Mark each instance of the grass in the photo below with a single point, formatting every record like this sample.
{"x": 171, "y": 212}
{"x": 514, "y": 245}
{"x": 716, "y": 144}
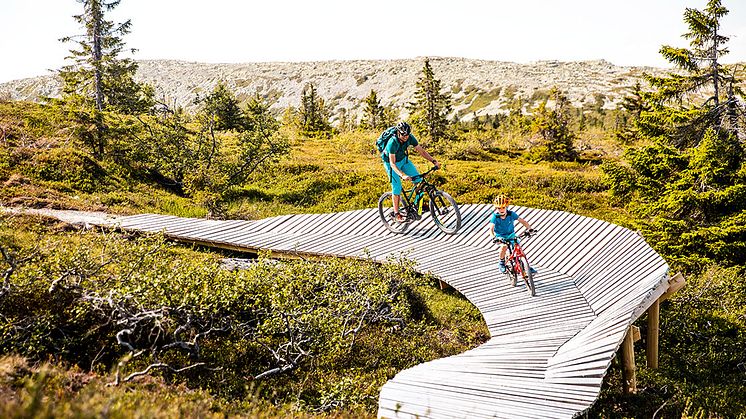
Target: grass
{"x": 482, "y": 100}
{"x": 320, "y": 175}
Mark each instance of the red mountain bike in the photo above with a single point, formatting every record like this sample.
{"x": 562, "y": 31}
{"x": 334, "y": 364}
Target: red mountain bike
{"x": 516, "y": 261}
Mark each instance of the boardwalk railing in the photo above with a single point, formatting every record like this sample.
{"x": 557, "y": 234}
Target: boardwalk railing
{"x": 547, "y": 354}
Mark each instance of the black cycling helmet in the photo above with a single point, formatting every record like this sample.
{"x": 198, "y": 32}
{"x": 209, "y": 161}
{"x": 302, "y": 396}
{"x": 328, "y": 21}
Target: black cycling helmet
{"x": 403, "y": 128}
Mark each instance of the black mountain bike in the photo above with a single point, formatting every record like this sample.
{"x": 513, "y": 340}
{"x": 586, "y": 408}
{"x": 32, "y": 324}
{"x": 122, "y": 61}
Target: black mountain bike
{"x": 442, "y": 207}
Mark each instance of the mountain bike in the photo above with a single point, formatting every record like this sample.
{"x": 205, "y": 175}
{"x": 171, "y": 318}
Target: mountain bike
{"x": 516, "y": 261}
{"x": 443, "y": 208}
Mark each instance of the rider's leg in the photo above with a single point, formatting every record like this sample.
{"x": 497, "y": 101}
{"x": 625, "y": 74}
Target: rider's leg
{"x": 501, "y": 265}
{"x": 396, "y": 186}
{"x": 409, "y": 168}
{"x": 503, "y": 250}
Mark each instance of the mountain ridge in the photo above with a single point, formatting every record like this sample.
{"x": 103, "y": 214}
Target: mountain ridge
{"x": 478, "y": 87}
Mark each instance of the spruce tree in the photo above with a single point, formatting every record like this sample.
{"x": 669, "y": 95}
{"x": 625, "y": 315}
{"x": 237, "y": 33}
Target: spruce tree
{"x": 553, "y": 129}
{"x": 633, "y": 104}
{"x": 374, "y": 115}
{"x": 313, "y": 113}
{"x": 687, "y": 181}
{"x": 97, "y": 72}
{"x": 707, "y": 89}
{"x": 220, "y": 110}
{"x": 431, "y": 107}
{"x": 98, "y": 78}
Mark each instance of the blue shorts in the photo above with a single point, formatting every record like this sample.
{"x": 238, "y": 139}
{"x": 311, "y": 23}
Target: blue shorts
{"x": 405, "y": 166}
{"x": 508, "y": 237}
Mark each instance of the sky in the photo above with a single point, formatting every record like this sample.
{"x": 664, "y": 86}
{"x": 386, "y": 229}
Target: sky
{"x": 627, "y": 33}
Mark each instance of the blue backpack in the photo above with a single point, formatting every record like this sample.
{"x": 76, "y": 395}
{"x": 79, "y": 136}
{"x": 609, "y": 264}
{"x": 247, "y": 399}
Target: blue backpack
{"x": 383, "y": 140}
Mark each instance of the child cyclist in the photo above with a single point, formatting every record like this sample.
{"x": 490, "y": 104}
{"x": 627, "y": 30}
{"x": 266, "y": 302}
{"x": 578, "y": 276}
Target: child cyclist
{"x": 501, "y": 226}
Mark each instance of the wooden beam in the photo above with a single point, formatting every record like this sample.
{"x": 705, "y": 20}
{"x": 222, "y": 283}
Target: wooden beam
{"x": 443, "y": 285}
{"x": 628, "y": 362}
{"x": 651, "y": 351}
{"x": 675, "y": 283}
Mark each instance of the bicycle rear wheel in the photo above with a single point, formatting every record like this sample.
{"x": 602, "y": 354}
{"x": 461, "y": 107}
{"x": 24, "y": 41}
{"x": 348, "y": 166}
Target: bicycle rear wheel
{"x": 445, "y": 212}
{"x": 528, "y": 277}
{"x": 386, "y": 213}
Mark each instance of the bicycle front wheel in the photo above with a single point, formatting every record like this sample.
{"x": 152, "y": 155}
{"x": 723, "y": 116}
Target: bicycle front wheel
{"x": 386, "y": 213}
{"x": 512, "y": 275}
{"x": 445, "y": 212}
{"x": 528, "y": 277}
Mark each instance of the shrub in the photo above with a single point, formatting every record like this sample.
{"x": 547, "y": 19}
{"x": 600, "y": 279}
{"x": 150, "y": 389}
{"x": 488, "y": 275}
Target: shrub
{"x": 71, "y": 168}
{"x": 109, "y": 302}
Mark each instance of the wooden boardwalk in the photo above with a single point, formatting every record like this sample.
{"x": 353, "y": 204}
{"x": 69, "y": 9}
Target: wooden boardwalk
{"x": 547, "y": 354}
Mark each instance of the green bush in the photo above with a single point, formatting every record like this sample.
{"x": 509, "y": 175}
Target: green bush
{"x": 6, "y": 164}
{"x": 71, "y": 168}
{"x": 320, "y": 335}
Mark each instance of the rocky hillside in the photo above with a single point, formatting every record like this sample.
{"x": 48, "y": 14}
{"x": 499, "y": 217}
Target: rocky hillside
{"x": 477, "y": 86}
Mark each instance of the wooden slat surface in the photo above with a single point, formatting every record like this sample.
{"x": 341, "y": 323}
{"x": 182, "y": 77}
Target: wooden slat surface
{"x": 547, "y": 354}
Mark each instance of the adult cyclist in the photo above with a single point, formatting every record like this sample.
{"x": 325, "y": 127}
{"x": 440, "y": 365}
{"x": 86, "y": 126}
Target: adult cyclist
{"x": 397, "y": 164}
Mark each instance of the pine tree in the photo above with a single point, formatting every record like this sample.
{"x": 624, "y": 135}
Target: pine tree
{"x": 313, "y": 113}
{"x": 431, "y": 107}
{"x": 553, "y": 128}
{"x": 701, "y": 63}
{"x": 374, "y": 115}
{"x": 97, "y": 78}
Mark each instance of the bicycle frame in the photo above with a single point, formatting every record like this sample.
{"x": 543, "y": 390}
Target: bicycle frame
{"x": 515, "y": 251}
{"x": 409, "y": 196}
{"x": 514, "y": 255}
{"x": 441, "y": 206}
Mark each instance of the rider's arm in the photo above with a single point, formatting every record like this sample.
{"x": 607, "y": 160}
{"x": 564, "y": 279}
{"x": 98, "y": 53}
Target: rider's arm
{"x": 392, "y": 161}
{"x": 422, "y": 152}
{"x": 491, "y": 227}
{"x": 525, "y": 224}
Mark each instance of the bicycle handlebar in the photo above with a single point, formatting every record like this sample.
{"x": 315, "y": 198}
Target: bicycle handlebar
{"x": 524, "y": 235}
{"x": 422, "y": 175}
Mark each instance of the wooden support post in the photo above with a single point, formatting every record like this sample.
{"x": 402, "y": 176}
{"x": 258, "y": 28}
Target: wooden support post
{"x": 628, "y": 362}
{"x": 443, "y": 285}
{"x": 651, "y": 351}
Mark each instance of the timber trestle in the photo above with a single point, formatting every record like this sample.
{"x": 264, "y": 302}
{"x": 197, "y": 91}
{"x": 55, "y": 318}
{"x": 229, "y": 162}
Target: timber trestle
{"x": 547, "y": 354}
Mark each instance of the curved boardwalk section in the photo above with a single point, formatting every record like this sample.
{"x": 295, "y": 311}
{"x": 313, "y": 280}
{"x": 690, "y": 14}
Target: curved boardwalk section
{"x": 547, "y": 354}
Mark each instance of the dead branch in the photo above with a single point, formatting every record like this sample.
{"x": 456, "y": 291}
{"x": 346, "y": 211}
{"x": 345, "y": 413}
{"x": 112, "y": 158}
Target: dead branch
{"x": 159, "y": 365}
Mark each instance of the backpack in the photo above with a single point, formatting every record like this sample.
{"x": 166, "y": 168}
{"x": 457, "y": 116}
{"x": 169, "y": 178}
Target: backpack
{"x": 383, "y": 140}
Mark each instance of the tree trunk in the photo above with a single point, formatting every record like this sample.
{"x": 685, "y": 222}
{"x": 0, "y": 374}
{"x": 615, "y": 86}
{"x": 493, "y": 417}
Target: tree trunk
{"x": 97, "y": 15}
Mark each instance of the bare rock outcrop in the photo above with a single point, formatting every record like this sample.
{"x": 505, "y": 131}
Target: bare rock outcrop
{"x": 477, "y": 87}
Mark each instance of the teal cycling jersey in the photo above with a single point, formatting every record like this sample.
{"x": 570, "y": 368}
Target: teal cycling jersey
{"x": 398, "y": 148}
